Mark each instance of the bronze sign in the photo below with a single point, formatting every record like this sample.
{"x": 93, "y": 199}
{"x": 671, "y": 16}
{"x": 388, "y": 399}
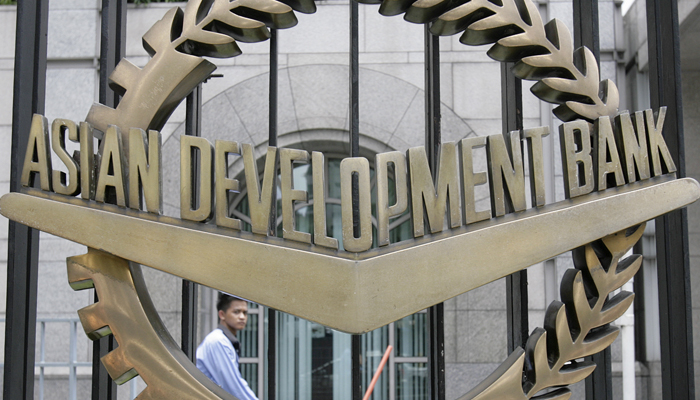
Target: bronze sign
{"x": 618, "y": 173}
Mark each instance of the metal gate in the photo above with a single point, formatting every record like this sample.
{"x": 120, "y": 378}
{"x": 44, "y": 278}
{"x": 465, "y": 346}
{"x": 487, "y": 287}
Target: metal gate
{"x": 671, "y": 233}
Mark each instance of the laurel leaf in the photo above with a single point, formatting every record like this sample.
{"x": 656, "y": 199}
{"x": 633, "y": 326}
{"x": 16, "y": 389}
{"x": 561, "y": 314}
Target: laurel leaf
{"x": 543, "y": 52}
{"x": 615, "y": 307}
{"x": 466, "y": 14}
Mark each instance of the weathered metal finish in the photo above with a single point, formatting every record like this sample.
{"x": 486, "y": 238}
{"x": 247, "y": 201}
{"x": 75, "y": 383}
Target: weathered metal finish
{"x": 356, "y": 168}
{"x": 145, "y": 346}
{"x": 259, "y": 200}
{"x": 605, "y": 140}
{"x": 434, "y": 196}
{"x": 335, "y": 289}
{"x": 145, "y": 171}
{"x": 634, "y": 149}
{"x": 111, "y": 160}
{"x": 506, "y": 174}
{"x": 535, "y": 156}
{"x": 575, "y": 327}
{"x": 38, "y": 141}
{"x": 319, "y": 184}
{"x": 471, "y": 179}
{"x": 355, "y": 241}
{"x": 192, "y": 208}
{"x": 657, "y": 145}
{"x": 87, "y": 162}
{"x": 577, "y": 180}
{"x": 64, "y": 183}
{"x": 290, "y": 195}
{"x": 385, "y": 211}
{"x": 224, "y": 184}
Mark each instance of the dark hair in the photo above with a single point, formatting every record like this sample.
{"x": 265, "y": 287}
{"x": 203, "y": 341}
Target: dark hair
{"x": 224, "y": 301}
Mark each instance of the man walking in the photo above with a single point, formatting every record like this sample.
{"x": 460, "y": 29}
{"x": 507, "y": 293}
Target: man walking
{"x": 217, "y": 356}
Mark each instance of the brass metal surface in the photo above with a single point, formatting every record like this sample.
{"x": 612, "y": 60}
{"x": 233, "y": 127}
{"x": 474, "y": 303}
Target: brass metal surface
{"x": 111, "y": 160}
{"x": 290, "y": 195}
{"x": 533, "y": 137}
{"x": 259, "y": 199}
{"x": 362, "y": 239}
{"x": 471, "y": 179}
{"x": 336, "y": 288}
{"x": 224, "y": 184}
{"x": 196, "y": 204}
{"x": 322, "y": 284}
{"x": 607, "y": 149}
{"x": 574, "y": 328}
{"x": 506, "y": 174}
{"x": 145, "y": 346}
{"x": 145, "y": 170}
{"x": 38, "y": 143}
{"x": 318, "y": 166}
{"x": 575, "y": 143}
{"x": 87, "y": 162}
{"x": 634, "y": 145}
{"x": 64, "y": 183}
{"x": 657, "y": 146}
{"x": 434, "y": 197}
{"x": 385, "y": 211}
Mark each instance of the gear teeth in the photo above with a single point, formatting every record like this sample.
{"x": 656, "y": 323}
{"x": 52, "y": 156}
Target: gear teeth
{"x": 117, "y": 366}
{"x": 79, "y": 276}
{"x": 101, "y": 117}
{"x": 123, "y": 76}
{"x": 94, "y": 325}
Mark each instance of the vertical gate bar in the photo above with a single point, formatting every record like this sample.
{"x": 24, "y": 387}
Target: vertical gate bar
{"x": 586, "y": 26}
{"x": 640, "y": 334}
{"x": 73, "y": 359}
{"x": 672, "y": 254}
{"x": 274, "y": 65}
{"x": 188, "y": 322}
{"x": 112, "y": 49}
{"x": 356, "y": 340}
{"x": 436, "y": 313}
{"x": 23, "y": 242}
{"x": 354, "y": 82}
{"x": 516, "y": 283}
{"x": 599, "y": 383}
{"x": 272, "y": 141}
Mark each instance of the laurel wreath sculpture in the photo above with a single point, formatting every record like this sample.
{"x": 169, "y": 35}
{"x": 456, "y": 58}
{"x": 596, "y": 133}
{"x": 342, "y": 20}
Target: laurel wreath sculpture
{"x": 575, "y": 328}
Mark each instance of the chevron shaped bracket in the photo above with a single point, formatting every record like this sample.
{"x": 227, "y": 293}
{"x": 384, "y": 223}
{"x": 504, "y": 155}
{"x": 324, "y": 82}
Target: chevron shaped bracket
{"x": 336, "y": 288}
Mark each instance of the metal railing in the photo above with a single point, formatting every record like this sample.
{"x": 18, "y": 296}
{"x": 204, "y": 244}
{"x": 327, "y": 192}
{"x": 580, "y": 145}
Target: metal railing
{"x": 73, "y": 367}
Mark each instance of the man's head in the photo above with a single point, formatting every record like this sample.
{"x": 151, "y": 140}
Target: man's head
{"x": 233, "y": 312}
